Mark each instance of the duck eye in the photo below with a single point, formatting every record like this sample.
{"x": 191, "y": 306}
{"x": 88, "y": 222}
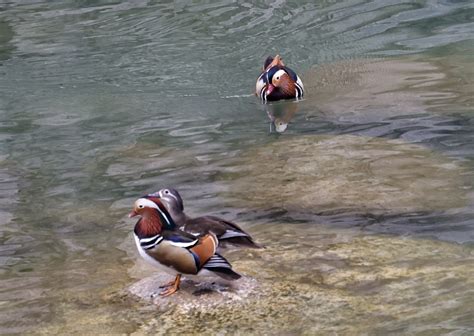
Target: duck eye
{"x": 140, "y": 206}
{"x": 278, "y": 77}
{"x": 167, "y": 192}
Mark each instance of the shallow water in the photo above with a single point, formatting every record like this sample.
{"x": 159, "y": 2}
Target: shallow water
{"x": 365, "y": 200}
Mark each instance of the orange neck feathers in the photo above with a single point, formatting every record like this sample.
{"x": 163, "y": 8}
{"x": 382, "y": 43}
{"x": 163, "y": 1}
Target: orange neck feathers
{"x": 150, "y": 224}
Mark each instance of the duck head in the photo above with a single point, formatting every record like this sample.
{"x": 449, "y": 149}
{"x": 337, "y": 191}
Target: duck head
{"x": 154, "y": 217}
{"x": 277, "y": 81}
{"x": 173, "y": 202}
{"x": 172, "y": 198}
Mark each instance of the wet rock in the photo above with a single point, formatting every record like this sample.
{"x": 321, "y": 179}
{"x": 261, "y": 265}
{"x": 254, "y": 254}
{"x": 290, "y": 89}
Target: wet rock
{"x": 310, "y": 280}
{"x": 193, "y": 294}
{"x": 316, "y": 289}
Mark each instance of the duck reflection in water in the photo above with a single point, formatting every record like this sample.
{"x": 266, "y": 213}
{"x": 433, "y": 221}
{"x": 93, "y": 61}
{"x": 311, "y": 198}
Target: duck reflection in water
{"x": 280, "y": 114}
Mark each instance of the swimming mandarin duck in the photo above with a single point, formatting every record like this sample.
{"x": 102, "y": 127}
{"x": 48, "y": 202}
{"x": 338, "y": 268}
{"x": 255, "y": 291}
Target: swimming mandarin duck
{"x": 163, "y": 245}
{"x": 227, "y": 233}
{"x": 277, "y": 81}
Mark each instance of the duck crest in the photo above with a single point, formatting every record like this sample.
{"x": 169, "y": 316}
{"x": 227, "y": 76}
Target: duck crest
{"x": 267, "y": 62}
{"x": 155, "y": 198}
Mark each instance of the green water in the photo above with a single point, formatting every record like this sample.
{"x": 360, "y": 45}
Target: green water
{"x": 365, "y": 200}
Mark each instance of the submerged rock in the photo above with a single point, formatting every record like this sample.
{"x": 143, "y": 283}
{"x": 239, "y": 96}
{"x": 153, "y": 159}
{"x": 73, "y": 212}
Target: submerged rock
{"x": 345, "y": 173}
{"x": 374, "y": 89}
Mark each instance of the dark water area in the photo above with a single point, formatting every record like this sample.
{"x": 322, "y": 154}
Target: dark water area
{"x": 362, "y": 191}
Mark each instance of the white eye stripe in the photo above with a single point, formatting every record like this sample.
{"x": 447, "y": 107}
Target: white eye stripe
{"x": 143, "y": 202}
{"x": 176, "y": 198}
{"x": 165, "y": 196}
{"x": 151, "y": 204}
{"x": 278, "y": 74}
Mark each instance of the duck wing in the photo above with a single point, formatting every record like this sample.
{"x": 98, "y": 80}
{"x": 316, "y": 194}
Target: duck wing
{"x": 226, "y": 231}
{"x": 188, "y": 254}
{"x": 180, "y": 238}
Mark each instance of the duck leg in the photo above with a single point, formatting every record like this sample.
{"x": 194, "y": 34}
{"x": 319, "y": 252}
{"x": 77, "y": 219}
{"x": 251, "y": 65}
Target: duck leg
{"x": 168, "y": 284}
{"x": 172, "y": 287}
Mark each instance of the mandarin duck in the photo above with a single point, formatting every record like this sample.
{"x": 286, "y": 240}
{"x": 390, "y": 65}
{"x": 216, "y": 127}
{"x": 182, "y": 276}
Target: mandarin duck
{"x": 227, "y": 233}
{"x": 161, "y": 244}
{"x": 277, "y": 81}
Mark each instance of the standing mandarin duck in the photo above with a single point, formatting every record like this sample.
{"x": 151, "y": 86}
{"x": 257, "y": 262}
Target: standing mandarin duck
{"x": 162, "y": 245}
{"x": 227, "y": 233}
{"x": 277, "y": 81}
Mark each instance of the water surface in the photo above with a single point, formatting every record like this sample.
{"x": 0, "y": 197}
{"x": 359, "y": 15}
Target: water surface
{"x": 368, "y": 231}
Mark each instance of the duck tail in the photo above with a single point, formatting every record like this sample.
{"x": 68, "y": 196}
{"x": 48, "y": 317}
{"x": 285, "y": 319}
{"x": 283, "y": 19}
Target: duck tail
{"x": 241, "y": 242}
{"x": 238, "y": 238}
{"x": 221, "y": 267}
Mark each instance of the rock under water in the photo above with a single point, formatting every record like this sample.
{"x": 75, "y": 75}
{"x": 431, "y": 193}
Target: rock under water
{"x": 374, "y": 89}
{"x": 324, "y": 173}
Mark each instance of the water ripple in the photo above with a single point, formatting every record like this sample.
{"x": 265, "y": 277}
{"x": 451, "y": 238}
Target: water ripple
{"x": 103, "y": 101}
